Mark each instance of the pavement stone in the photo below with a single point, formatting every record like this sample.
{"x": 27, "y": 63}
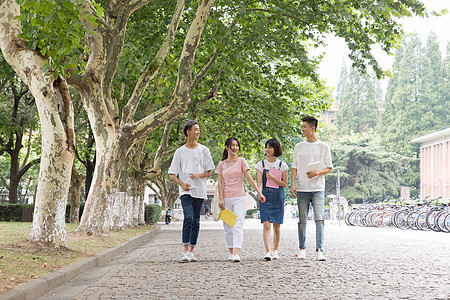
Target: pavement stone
{"x": 362, "y": 263}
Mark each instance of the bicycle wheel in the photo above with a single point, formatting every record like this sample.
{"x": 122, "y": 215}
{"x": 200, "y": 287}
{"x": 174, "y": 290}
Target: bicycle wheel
{"x": 353, "y": 218}
{"x": 388, "y": 217}
{"x": 365, "y": 219}
{"x": 411, "y": 219}
{"x": 431, "y": 219}
{"x": 370, "y": 219}
{"x": 378, "y": 219}
{"x": 422, "y": 221}
{"x": 359, "y": 219}
{"x": 440, "y": 221}
{"x": 400, "y": 219}
{"x": 447, "y": 222}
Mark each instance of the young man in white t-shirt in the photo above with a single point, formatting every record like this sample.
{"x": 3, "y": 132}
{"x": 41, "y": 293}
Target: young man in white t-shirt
{"x": 192, "y": 163}
{"x": 312, "y": 160}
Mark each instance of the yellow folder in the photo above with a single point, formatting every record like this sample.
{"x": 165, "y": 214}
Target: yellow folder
{"x": 228, "y": 216}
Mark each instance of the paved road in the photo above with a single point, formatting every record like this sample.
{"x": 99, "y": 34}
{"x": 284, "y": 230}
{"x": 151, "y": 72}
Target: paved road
{"x": 362, "y": 263}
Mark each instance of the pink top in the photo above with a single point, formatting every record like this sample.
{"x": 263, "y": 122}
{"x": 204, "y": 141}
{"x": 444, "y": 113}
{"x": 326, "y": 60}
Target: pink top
{"x": 233, "y": 179}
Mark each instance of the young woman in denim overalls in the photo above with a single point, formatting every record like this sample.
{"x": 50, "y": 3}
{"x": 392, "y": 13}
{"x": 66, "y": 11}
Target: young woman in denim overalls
{"x": 272, "y": 210}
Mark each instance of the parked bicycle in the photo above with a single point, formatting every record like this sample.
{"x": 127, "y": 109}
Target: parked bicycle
{"x": 426, "y": 214}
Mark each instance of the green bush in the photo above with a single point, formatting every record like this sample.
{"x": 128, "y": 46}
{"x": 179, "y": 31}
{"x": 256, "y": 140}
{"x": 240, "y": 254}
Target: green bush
{"x": 11, "y": 212}
{"x": 250, "y": 212}
{"x": 152, "y": 213}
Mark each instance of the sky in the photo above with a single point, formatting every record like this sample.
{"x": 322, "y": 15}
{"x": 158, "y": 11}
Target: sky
{"x": 336, "y": 51}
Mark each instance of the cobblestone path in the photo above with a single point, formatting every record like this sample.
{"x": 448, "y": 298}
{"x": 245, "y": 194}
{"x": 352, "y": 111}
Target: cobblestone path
{"x": 362, "y": 263}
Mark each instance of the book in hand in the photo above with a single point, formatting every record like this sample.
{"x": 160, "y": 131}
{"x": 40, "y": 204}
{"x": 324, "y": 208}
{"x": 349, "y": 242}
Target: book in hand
{"x": 277, "y": 174}
{"x": 315, "y": 166}
{"x": 228, "y": 217}
{"x": 188, "y": 180}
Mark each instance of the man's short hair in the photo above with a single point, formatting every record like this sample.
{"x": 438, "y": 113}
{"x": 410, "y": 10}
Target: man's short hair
{"x": 311, "y": 121}
{"x": 188, "y": 125}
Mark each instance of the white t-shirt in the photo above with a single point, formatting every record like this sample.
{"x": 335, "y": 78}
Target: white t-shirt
{"x": 274, "y": 165}
{"x": 306, "y": 153}
{"x": 196, "y": 161}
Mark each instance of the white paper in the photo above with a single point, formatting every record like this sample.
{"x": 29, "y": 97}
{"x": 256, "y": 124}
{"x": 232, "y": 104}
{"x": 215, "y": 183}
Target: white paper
{"x": 315, "y": 166}
{"x": 188, "y": 180}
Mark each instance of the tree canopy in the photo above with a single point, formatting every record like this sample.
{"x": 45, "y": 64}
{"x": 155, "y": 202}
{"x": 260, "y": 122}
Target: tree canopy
{"x": 366, "y": 169}
{"x": 417, "y": 100}
{"x": 358, "y": 103}
{"x": 140, "y": 65}
{"x": 378, "y": 157}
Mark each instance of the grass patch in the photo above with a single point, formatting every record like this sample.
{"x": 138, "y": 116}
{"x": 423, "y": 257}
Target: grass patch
{"x": 22, "y": 261}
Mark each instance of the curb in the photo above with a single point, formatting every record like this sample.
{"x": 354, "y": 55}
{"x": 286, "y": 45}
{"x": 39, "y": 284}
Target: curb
{"x": 42, "y": 285}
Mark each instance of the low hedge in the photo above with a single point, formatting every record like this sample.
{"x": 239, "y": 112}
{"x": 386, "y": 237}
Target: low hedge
{"x": 152, "y": 213}
{"x": 13, "y": 212}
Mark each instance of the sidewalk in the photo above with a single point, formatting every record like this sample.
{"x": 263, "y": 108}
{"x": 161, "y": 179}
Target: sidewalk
{"x": 37, "y": 287}
{"x": 362, "y": 263}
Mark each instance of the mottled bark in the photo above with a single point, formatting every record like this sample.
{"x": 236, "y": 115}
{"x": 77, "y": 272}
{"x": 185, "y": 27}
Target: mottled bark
{"x": 56, "y": 118}
{"x": 76, "y": 185}
{"x": 133, "y": 199}
{"x": 141, "y": 204}
{"x": 103, "y": 195}
{"x": 115, "y": 138}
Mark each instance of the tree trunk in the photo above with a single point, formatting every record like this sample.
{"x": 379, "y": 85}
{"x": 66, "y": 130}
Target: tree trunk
{"x": 168, "y": 190}
{"x": 13, "y": 187}
{"x": 90, "y": 167}
{"x": 116, "y": 136}
{"x": 141, "y": 203}
{"x": 104, "y": 195}
{"x": 132, "y": 202}
{"x": 77, "y": 180}
{"x": 137, "y": 199}
{"x": 14, "y": 152}
{"x": 56, "y": 118}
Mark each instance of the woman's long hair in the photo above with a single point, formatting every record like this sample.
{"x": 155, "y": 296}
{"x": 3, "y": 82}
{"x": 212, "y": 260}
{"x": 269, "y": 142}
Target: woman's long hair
{"x": 228, "y": 143}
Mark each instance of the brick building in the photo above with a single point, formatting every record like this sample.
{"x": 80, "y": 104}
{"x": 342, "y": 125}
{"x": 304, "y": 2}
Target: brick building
{"x": 435, "y": 164}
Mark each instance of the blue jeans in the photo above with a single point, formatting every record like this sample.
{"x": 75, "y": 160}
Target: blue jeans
{"x": 303, "y": 201}
{"x": 191, "y": 223}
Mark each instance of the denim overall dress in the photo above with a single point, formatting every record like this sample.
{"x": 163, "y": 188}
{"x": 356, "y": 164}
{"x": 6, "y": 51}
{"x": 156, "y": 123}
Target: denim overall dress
{"x": 273, "y": 209}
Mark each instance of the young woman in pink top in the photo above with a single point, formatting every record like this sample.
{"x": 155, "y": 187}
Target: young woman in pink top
{"x": 230, "y": 172}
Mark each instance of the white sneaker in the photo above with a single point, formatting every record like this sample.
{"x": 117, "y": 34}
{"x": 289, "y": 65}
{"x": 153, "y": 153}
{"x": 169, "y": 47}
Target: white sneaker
{"x": 301, "y": 254}
{"x": 320, "y": 256}
{"x": 192, "y": 257}
{"x": 186, "y": 257}
{"x": 231, "y": 257}
{"x": 237, "y": 258}
{"x": 268, "y": 256}
{"x": 275, "y": 254}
